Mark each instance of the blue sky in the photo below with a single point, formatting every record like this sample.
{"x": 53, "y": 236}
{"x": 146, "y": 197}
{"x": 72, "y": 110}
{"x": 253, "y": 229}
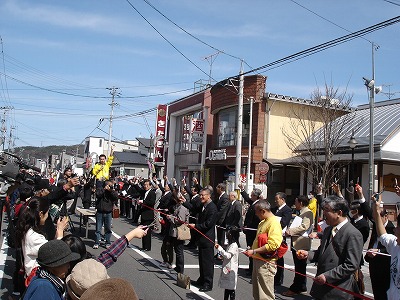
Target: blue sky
{"x": 60, "y": 56}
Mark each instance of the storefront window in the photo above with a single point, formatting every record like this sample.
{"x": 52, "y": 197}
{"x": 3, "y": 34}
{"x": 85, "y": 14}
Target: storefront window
{"x": 185, "y": 141}
{"x": 227, "y": 126}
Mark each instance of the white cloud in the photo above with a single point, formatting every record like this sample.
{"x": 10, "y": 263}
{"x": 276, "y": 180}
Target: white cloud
{"x": 68, "y": 18}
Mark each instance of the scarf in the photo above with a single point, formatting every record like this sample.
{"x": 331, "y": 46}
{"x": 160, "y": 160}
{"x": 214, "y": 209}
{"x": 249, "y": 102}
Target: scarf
{"x": 57, "y": 282}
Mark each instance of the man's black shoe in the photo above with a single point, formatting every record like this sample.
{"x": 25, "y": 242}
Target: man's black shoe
{"x": 248, "y": 273}
{"x": 205, "y": 288}
{"x": 195, "y": 283}
{"x": 190, "y": 246}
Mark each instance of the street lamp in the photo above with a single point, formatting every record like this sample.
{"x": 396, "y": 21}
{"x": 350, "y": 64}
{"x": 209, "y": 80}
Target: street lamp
{"x": 372, "y": 90}
{"x": 352, "y": 143}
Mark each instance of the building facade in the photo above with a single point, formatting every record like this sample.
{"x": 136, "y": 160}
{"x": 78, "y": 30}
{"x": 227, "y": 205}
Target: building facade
{"x": 189, "y": 130}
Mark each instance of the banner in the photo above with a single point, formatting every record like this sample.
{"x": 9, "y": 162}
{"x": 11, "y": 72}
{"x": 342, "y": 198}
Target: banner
{"x": 197, "y": 131}
{"x": 159, "y": 140}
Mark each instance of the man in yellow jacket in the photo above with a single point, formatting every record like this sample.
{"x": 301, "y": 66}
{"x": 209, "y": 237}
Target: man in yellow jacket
{"x": 101, "y": 170}
{"x": 264, "y": 270}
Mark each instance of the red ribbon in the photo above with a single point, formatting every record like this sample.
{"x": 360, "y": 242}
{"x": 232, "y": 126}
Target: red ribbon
{"x": 360, "y": 296}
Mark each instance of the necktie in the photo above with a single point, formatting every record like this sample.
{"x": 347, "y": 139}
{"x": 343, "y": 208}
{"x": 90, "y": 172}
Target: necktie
{"x": 334, "y": 231}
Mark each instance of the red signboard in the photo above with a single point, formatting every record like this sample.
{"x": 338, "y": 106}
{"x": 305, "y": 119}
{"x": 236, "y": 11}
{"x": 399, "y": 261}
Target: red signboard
{"x": 264, "y": 168}
{"x": 197, "y": 125}
{"x": 159, "y": 140}
{"x": 263, "y": 178}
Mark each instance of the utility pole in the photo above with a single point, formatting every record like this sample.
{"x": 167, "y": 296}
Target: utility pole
{"x": 10, "y": 140}
{"x": 238, "y": 162}
{"x": 114, "y": 92}
{"x": 250, "y": 136}
{"x": 5, "y": 109}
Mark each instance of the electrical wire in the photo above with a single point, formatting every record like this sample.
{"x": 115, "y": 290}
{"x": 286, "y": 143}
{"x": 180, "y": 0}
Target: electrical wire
{"x": 172, "y": 45}
{"x": 115, "y": 138}
{"x": 329, "y": 21}
{"x": 40, "y": 74}
{"x": 56, "y": 113}
{"x": 91, "y": 96}
{"x": 188, "y": 33}
{"x": 299, "y": 55}
{"x": 326, "y": 45}
{"x": 391, "y": 2}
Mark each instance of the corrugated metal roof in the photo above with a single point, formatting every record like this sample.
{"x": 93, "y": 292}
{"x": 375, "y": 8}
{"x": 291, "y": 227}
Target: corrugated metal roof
{"x": 386, "y": 122}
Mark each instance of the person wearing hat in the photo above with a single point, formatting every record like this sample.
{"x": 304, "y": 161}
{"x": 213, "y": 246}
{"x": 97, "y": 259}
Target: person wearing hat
{"x": 53, "y": 258}
{"x": 111, "y": 288}
{"x": 84, "y": 275}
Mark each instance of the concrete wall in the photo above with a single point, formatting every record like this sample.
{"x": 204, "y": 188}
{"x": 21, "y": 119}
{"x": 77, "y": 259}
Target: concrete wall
{"x": 280, "y": 119}
{"x": 393, "y": 144}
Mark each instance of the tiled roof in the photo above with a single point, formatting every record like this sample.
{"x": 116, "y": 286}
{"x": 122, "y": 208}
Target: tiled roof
{"x": 144, "y": 142}
{"x": 302, "y": 101}
{"x": 134, "y": 158}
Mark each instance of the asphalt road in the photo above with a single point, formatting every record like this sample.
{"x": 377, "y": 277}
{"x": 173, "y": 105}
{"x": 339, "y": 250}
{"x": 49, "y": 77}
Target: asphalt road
{"x": 149, "y": 279}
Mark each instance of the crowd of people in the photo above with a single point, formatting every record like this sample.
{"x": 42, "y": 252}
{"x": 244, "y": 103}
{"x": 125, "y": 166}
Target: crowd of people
{"x": 49, "y": 262}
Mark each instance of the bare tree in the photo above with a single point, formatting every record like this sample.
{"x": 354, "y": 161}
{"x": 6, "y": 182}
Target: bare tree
{"x": 318, "y": 131}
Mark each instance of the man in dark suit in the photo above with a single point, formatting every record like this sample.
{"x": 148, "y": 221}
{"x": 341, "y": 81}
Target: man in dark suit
{"x": 147, "y": 213}
{"x": 283, "y": 211}
{"x": 193, "y": 205}
{"x": 234, "y": 216}
{"x": 251, "y": 220}
{"x": 338, "y": 255}
{"x": 206, "y": 225}
{"x": 222, "y": 206}
{"x": 166, "y": 203}
{"x": 358, "y": 220}
{"x": 379, "y": 265}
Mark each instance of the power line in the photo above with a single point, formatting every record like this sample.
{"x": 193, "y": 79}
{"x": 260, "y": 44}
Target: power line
{"x": 90, "y": 96}
{"x": 329, "y": 21}
{"x": 326, "y": 45}
{"x": 391, "y": 2}
{"x": 40, "y": 74}
{"x": 188, "y": 33}
{"x": 299, "y": 55}
{"x": 172, "y": 45}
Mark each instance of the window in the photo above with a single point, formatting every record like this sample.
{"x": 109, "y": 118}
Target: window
{"x": 100, "y": 142}
{"x": 227, "y": 126}
{"x": 183, "y": 133}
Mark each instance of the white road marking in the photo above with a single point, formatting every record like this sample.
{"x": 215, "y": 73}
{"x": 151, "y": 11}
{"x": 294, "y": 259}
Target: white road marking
{"x": 313, "y": 274}
{"x": 167, "y": 272}
{"x": 3, "y": 258}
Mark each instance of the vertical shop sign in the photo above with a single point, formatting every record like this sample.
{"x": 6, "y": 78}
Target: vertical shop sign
{"x": 197, "y": 131}
{"x": 159, "y": 140}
